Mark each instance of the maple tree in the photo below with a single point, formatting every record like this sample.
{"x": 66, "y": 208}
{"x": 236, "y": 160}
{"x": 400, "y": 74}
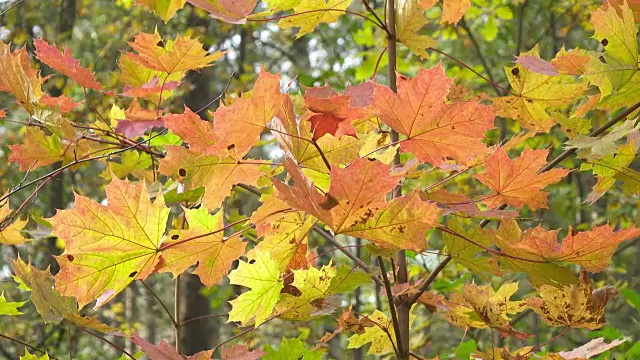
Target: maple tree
{"x": 409, "y": 165}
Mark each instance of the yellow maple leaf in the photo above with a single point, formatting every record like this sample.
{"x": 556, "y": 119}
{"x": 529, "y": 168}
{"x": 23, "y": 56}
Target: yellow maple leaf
{"x": 534, "y": 93}
{"x": 310, "y": 13}
{"x": 410, "y": 19}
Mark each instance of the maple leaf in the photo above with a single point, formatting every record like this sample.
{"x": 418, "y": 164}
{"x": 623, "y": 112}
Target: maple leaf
{"x": 467, "y": 253}
{"x": 262, "y": 275}
{"x": 164, "y": 351}
{"x": 37, "y": 149}
{"x": 517, "y": 182}
{"x": 293, "y": 135}
{"x": 197, "y": 132}
{"x": 332, "y": 113}
{"x": 493, "y": 307}
{"x": 52, "y": 306}
{"x": 29, "y": 356}
{"x": 537, "y": 65}
{"x": 577, "y": 305}
{"x": 216, "y": 174}
{"x": 452, "y": 10}
{"x": 9, "y": 308}
{"x": 231, "y": 11}
{"x": 292, "y": 349}
{"x": 140, "y": 80}
{"x": 409, "y": 20}
{"x": 214, "y": 253}
{"x": 379, "y": 335}
{"x": 356, "y": 204}
{"x": 240, "y": 352}
{"x": 138, "y": 120}
{"x": 62, "y": 103}
{"x": 108, "y": 247}
{"x": 401, "y": 224}
{"x": 310, "y": 13}
{"x": 153, "y": 90}
{"x": 170, "y": 56}
{"x": 134, "y": 163}
{"x": 238, "y": 127}
{"x": 19, "y": 77}
{"x": 534, "y": 93}
{"x": 10, "y": 232}
{"x": 572, "y": 62}
{"x": 619, "y": 62}
{"x": 590, "y": 249}
{"x": 66, "y": 64}
{"x": 164, "y": 8}
{"x": 592, "y": 348}
{"x": 506, "y": 237}
{"x": 282, "y": 234}
{"x": 435, "y": 130}
{"x": 313, "y": 284}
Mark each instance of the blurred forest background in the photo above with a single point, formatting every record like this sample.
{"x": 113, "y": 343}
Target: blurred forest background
{"x": 488, "y": 37}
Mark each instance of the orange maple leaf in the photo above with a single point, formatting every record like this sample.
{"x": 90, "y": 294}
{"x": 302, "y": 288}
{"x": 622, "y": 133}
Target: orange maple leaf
{"x": 590, "y": 249}
{"x": 356, "y": 204}
{"x": 66, "y": 64}
{"x": 517, "y": 182}
{"x": 435, "y": 130}
{"x": 238, "y": 127}
{"x": 331, "y": 113}
{"x": 171, "y": 56}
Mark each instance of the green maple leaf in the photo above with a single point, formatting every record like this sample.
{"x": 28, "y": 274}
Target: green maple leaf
{"x": 291, "y": 349}
{"x": 28, "y": 356}
{"x": 619, "y": 63}
{"x": 262, "y": 276}
{"x": 9, "y": 308}
{"x": 310, "y": 13}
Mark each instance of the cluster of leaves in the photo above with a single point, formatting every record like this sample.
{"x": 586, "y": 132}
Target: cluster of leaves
{"x": 344, "y": 154}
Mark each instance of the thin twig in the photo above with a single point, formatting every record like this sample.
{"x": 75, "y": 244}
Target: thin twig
{"x": 73, "y": 163}
{"x": 392, "y": 304}
{"x": 108, "y": 342}
{"x": 27, "y": 345}
{"x": 372, "y": 12}
{"x": 348, "y": 253}
{"x": 483, "y": 60}
{"x": 11, "y": 7}
{"x": 153, "y": 293}
{"x": 427, "y": 282}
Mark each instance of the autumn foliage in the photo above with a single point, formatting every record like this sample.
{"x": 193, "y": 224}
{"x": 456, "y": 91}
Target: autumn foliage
{"x": 375, "y": 161}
